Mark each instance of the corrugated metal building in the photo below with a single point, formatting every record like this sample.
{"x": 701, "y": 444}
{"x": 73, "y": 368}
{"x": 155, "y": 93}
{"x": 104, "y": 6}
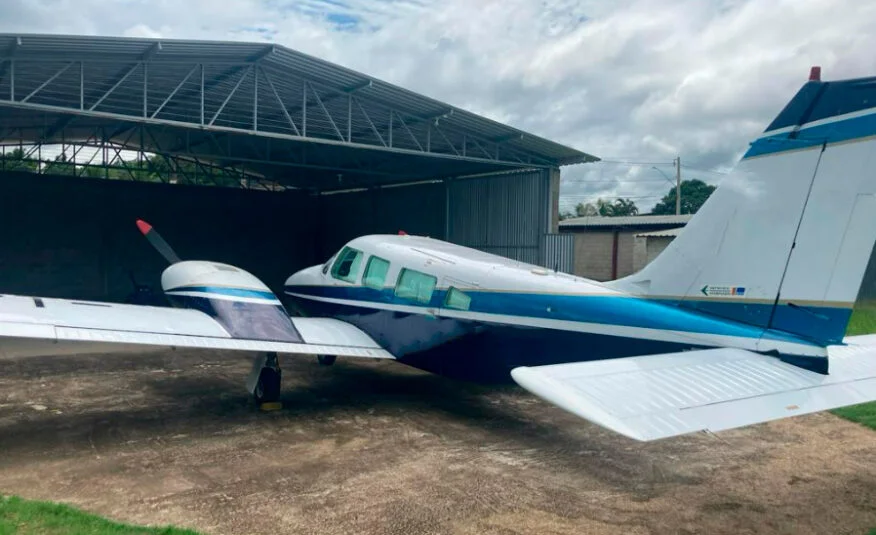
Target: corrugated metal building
{"x": 345, "y": 153}
{"x": 605, "y": 248}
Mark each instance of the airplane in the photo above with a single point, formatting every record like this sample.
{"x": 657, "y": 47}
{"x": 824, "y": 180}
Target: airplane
{"x": 740, "y": 320}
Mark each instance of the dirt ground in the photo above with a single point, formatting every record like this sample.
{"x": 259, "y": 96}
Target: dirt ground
{"x": 376, "y": 447}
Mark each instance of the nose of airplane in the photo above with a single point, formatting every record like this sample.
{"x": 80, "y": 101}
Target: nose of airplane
{"x": 306, "y": 277}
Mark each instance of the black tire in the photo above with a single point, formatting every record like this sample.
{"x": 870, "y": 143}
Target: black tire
{"x": 267, "y": 388}
{"x": 326, "y": 360}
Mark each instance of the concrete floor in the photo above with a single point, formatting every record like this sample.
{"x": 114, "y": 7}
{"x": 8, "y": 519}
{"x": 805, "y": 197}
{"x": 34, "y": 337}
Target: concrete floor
{"x": 376, "y": 447}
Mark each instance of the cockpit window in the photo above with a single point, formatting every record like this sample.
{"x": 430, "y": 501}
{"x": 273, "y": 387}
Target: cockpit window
{"x": 375, "y": 272}
{"x": 415, "y": 285}
{"x": 346, "y": 267}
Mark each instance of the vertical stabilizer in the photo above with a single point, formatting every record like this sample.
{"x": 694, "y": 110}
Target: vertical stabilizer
{"x": 784, "y": 241}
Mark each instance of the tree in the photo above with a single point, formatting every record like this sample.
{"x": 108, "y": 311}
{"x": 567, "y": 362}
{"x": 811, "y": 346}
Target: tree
{"x": 585, "y": 209}
{"x": 624, "y": 207}
{"x": 693, "y": 195}
{"x": 16, "y": 160}
{"x": 604, "y": 208}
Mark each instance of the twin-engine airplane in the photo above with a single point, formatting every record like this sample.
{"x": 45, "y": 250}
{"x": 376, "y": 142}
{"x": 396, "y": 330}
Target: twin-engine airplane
{"x": 740, "y": 320}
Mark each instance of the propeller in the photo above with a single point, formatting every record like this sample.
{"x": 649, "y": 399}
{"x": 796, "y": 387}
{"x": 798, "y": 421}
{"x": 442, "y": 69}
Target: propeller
{"x": 157, "y": 241}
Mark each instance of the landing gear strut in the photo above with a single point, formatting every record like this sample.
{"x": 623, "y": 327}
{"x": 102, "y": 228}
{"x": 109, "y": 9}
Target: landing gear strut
{"x": 265, "y": 379}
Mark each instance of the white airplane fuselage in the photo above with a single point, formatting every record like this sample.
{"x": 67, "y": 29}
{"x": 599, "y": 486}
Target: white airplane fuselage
{"x": 461, "y": 312}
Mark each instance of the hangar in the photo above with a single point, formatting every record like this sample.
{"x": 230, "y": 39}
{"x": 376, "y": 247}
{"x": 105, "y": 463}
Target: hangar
{"x": 248, "y": 153}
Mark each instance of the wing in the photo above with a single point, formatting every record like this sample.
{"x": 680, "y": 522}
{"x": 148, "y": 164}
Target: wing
{"x": 652, "y": 397}
{"x": 41, "y": 326}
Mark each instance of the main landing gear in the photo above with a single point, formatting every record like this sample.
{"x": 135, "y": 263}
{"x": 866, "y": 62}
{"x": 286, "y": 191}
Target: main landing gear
{"x": 265, "y": 379}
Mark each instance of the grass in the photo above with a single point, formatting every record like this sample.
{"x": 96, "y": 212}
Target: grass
{"x": 25, "y": 517}
{"x": 863, "y": 321}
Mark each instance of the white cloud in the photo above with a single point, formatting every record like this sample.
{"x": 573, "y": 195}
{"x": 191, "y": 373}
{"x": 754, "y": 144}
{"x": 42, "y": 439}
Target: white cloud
{"x": 634, "y": 79}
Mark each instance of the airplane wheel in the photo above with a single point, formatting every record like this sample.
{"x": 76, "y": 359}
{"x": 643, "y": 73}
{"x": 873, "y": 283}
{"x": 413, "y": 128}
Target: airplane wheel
{"x": 267, "y": 388}
{"x": 326, "y": 360}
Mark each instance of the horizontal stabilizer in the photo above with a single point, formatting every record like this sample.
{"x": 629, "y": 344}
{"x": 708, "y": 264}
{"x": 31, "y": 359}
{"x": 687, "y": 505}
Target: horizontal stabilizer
{"x": 658, "y": 396}
{"x": 33, "y": 326}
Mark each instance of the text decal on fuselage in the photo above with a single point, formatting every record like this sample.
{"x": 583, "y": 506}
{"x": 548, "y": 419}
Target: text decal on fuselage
{"x": 723, "y": 291}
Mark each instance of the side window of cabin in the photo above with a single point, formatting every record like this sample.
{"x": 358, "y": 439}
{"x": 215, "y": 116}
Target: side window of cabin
{"x": 375, "y": 272}
{"x": 457, "y": 299}
{"x": 346, "y": 267}
{"x": 415, "y": 285}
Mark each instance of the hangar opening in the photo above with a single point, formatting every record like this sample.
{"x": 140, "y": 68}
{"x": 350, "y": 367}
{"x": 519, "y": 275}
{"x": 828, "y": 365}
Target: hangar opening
{"x": 247, "y": 153}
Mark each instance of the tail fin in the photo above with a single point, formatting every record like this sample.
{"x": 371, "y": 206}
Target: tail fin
{"x": 784, "y": 241}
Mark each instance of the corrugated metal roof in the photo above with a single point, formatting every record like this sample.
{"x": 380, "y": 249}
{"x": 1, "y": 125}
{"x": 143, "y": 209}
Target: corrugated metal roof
{"x": 288, "y": 68}
{"x": 625, "y": 221}
{"x": 665, "y": 233}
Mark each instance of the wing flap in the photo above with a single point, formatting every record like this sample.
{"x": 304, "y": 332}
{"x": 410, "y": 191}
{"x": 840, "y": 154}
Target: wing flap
{"x": 37, "y": 327}
{"x": 659, "y": 396}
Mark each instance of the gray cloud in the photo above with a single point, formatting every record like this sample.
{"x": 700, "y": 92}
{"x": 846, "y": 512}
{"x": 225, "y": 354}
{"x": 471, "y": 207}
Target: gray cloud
{"x": 641, "y": 80}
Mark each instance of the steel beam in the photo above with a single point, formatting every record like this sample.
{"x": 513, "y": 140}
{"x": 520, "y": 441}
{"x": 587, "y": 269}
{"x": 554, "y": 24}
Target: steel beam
{"x": 47, "y": 82}
{"x": 438, "y": 129}
{"x": 119, "y": 82}
{"x": 400, "y": 118}
{"x": 304, "y": 110}
{"x": 255, "y": 99}
{"x": 145, "y": 88}
{"x": 177, "y": 88}
{"x": 81, "y": 85}
{"x": 478, "y": 145}
{"x": 259, "y": 56}
{"x": 202, "y": 93}
{"x": 227, "y": 98}
{"x": 152, "y": 51}
{"x": 280, "y": 101}
{"x": 327, "y": 114}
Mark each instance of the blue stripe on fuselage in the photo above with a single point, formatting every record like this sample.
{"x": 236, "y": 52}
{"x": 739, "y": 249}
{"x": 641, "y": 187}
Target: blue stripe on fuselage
{"x": 601, "y": 309}
{"x": 224, "y": 290}
{"x": 836, "y": 132}
{"x": 826, "y": 325}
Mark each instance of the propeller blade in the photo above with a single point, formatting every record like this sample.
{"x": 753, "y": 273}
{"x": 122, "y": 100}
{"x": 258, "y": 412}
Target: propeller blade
{"x": 157, "y": 241}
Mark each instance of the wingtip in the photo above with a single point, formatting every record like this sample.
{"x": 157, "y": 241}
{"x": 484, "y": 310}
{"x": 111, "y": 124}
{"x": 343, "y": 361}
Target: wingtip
{"x": 143, "y": 226}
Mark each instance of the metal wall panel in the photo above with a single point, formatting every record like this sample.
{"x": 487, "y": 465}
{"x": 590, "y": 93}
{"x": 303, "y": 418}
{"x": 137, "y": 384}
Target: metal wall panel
{"x": 559, "y": 252}
{"x": 416, "y": 209}
{"x": 505, "y": 214}
{"x": 75, "y": 238}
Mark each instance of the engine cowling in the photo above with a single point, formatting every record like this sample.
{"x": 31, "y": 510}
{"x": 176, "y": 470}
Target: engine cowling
{"x": 238, "y": 300}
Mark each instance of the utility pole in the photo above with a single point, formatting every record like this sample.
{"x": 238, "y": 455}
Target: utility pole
{"x": 678, "y": 186}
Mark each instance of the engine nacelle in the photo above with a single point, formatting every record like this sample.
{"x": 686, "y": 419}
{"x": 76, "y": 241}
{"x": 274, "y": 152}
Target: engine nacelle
{"x": 238, "y": 300}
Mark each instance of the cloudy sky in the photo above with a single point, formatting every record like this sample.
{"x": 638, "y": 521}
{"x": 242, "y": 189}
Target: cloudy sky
{"x": 636, "y": 81}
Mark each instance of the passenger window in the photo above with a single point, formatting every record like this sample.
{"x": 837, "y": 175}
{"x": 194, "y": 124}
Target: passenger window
{"x": 347, "y": 266}
{"x": 415, "y": 285}
{"x": 375, "y": 272}
{"x": 456, "y": 299}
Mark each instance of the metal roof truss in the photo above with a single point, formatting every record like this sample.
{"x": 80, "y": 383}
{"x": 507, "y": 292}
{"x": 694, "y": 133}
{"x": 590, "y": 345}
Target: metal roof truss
{"x": 251, "y": 111}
